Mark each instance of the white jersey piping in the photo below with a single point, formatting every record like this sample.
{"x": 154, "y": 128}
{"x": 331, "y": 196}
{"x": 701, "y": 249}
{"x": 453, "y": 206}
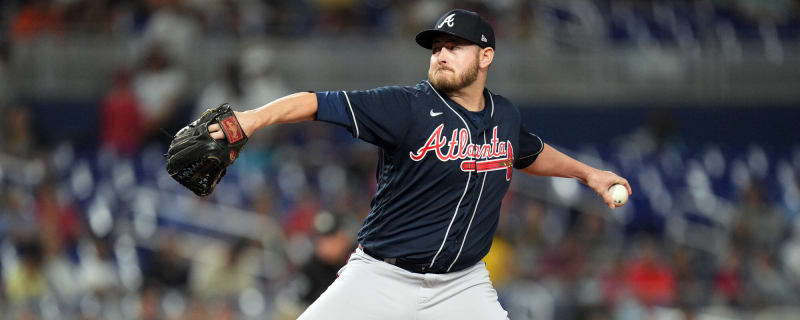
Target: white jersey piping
{"x": 355, "y": 124}
{"x": 477, "y": 202}
{"x": 468, "y": 177}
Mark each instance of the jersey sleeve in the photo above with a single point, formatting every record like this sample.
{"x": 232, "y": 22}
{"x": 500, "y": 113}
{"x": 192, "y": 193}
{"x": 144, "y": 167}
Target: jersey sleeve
{"x": 379, "y": 116}
{"x": 530, "y": 146}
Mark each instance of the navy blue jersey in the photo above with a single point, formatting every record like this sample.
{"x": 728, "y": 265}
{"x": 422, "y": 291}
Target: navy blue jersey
{"x": 442, "y": 171}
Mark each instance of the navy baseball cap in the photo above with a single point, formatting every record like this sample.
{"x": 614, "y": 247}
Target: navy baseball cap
{"x": 461, "y": 23}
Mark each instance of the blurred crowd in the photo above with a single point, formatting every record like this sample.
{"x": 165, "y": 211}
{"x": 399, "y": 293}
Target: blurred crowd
{"x": 184, "y": 21}
{"x": 96, "y": 229}
{"x": 105, "y": 233}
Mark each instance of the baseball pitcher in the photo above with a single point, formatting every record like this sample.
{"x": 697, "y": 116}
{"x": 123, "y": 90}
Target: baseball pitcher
{"x": 448, "y": 150}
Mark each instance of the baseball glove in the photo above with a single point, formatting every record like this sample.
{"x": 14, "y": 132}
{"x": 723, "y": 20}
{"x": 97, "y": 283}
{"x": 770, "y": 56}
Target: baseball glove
{"x": 197, "y": 160}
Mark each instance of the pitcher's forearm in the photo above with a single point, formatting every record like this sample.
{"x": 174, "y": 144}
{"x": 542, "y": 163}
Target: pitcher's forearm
{"x": 293, "y": 108}
{"x": 552, "y": 162}
{"x": 296, "y": 107}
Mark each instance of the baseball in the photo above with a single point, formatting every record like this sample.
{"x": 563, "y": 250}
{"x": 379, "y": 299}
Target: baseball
{"x": 619, "y": 194}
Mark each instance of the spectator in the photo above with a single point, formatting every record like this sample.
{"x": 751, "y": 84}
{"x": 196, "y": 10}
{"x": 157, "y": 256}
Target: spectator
{"x": 651, "y": 280}
{"x": 98, "y": 268}
{"x": 60, "y": 269}
{"x": 591, "y": 231}
{"x": 757, "y": 225}
{"x": 262, "y": 83}
{"x": 222, "y": 272}
{"x": 15, "y": 213}
{"x": 333, "y": 244}
{"x": 120, "y": 119}
{"x": 149, "y": 306}
{"x": 174, "y": 26}
{"x": 226, "y": 88}
{"x": 766, "y": 285}
{"x": 18, "y": 137}
{"x": 25, "y": 281}
{"x": 728, "y": 286}
{"x": 690, "y": 293}
{"x": 158, "y": 87}
{"x": 57, "y": 215}
{"x": 272, "y": 240}
{"x": 500, "y": 262}
{"x": 90, "y": 17}
{"x": 168, "y": 269}
{"x": 531, "y": 234}
{"x": 614, "y": 283}
{"x": 228, "y": 17}
{"x": 38, "y": 17}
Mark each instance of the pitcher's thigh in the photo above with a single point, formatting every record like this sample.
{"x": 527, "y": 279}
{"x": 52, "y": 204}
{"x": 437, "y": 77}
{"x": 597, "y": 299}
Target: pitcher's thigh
{"x": 359, "y": 293}
{"x": 476, "y": 301}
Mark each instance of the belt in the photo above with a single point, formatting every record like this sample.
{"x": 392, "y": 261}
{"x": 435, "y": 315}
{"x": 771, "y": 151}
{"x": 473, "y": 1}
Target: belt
{"x": 404, "y": 263}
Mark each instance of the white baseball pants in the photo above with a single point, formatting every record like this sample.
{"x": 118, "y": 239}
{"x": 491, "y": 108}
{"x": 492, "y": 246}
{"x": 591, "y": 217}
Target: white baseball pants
{"x": 368, "y": 288}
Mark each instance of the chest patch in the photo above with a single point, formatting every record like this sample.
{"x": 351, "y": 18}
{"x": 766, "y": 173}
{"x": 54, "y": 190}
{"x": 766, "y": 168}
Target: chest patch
{"x": 495, "y": 155}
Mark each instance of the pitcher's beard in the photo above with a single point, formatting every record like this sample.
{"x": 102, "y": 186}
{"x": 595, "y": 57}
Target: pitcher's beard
{"x": 447, "y": 85}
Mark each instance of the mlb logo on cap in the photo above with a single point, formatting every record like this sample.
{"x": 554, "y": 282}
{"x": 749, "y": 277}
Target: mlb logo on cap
{"x": 461, "y": 23}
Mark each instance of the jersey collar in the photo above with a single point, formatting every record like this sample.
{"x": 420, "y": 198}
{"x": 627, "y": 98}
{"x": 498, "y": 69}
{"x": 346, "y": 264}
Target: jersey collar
{"x": 488, "y": 117}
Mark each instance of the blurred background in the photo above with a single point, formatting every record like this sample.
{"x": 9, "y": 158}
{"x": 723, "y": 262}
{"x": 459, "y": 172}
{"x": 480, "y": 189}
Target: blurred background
{"x": 696, "y": 103}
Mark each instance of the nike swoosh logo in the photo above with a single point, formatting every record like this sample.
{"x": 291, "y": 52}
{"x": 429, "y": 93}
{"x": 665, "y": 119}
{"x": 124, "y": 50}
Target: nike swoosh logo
{"x": 434, "y": 114}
